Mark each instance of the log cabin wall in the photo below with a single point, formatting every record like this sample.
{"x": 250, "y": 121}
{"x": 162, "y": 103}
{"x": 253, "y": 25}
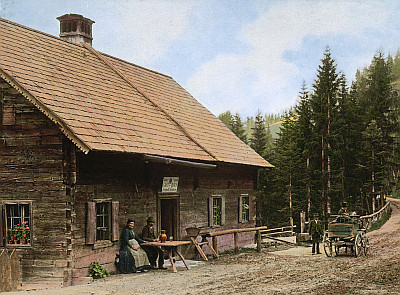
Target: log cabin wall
{"x": 137, "y": 187}
{"x": 31, "y": 171}
{"x": 110, "y": 177}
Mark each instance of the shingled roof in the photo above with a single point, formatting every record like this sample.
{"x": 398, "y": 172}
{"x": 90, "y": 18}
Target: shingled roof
{"x": 103, "y": 103}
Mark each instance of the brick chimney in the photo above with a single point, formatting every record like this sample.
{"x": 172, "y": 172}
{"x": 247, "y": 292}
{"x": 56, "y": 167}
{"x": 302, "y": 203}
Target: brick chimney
{"x": 76, "y": 28}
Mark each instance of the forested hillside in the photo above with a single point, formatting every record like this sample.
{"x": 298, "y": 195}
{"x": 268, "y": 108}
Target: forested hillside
{"x": 339, "y": 143}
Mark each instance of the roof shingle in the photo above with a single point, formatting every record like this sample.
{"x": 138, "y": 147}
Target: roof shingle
{"x": 112, "y": 105}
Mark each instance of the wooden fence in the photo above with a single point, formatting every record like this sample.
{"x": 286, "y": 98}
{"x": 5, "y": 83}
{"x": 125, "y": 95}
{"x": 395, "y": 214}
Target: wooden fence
{"x": 261, "y": 232}
{"x": 369, "y": 220}
{"x": 10, "y": 274}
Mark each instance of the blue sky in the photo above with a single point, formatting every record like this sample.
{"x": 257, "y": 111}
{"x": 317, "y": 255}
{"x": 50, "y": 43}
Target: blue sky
{"x": 239, "y": 55}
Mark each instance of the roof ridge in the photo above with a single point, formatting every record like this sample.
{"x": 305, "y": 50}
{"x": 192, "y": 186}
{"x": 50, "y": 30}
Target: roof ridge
{"x": 39, "y": 32}
{"x": 76, "y": 44}
{"x": 142, "y": 92}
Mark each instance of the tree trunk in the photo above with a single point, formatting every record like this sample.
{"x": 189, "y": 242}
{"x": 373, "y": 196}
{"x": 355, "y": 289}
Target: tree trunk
{"x": 290, "y": 201}
{"x": 308, "y": 190}
{"x": 328, "y": 162}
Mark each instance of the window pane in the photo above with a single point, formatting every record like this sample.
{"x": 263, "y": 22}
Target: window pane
{"x": 102, "y": 221}
{"x": 18, "y": 223}
{"x": 217, "y": 206}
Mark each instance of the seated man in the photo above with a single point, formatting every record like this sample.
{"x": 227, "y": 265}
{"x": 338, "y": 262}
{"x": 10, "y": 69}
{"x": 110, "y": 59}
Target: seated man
{"x": 343, "y": 210}
{"x": 149, "y": 234}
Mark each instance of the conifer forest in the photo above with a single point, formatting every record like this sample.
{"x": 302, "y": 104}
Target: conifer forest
{"x": 340, "y": 142}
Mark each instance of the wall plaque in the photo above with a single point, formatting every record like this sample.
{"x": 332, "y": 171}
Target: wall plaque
{"x": 170, "y": 184}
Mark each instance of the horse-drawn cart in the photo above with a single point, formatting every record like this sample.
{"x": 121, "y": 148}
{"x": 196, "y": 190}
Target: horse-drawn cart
{"x": 345, "y": 231}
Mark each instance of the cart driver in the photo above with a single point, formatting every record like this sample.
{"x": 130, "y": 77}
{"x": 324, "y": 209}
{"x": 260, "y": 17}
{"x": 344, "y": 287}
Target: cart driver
{"x": 343, "y": 210}
{"x": 316, "y": 231}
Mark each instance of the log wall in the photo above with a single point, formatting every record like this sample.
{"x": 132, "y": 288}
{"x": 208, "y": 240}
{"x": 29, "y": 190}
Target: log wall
{"x": 136, "y": 185}
{"x": 31, "y": 170}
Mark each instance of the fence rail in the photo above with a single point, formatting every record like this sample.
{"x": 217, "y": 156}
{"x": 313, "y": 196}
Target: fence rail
{"x": 260, "y": 231}
{"x": 368, "y": 220}
{"x": 10, "y": 274}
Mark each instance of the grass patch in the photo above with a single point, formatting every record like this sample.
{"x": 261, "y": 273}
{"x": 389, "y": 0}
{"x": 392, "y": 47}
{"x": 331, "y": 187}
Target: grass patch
{"x": 379, "y": 223}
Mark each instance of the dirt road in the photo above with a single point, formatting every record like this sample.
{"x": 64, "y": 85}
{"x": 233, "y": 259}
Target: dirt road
{"x": 291, "y": 271}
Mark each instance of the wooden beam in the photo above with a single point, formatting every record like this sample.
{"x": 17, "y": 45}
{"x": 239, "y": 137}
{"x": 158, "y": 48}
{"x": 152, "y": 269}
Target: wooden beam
{"x": 238, "y": 230}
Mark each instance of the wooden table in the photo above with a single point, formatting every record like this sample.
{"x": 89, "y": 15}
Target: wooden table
{"x": 169, "y": 247}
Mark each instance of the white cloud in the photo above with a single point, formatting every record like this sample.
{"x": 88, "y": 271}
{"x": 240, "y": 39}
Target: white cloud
{"x": 147, "y": 28}
{"x": 262, "y": 78}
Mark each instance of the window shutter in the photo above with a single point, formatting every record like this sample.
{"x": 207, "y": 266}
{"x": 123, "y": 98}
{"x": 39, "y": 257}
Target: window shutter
{"x": 115, "y": 223}
{"x": 91, "y": 223}
{"x": 222, "y": 210}
{"x": 240, "y": 209}
{"x": 210, "y": 211}
{"x": 2, "y": 229}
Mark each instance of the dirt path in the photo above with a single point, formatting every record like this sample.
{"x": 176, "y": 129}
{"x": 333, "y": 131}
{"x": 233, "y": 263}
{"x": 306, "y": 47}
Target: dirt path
{"x": 291, "y": 271}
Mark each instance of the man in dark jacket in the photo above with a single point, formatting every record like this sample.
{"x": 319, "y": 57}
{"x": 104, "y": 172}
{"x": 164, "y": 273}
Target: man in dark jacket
{"x": 315, "y": 230}
{"x": 149, "y": 234}
{"x": 343, "y": 210}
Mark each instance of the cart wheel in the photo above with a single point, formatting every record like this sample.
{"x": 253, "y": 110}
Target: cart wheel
{"x": 327, "y": 245}
{"x": 366, "y": 245}
{"x": 358, "y": 244}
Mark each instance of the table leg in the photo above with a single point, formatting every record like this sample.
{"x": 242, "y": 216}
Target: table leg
{"x": 171, "y": 259}
{"x": 181, "y": 256}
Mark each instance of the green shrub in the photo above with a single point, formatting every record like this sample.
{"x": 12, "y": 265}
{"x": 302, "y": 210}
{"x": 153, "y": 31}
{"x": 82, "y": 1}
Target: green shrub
{"x": 96, "y": 271}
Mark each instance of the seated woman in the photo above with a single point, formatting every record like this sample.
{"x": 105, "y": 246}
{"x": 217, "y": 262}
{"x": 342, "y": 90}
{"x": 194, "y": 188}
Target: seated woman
{"x": 132, "y": 256}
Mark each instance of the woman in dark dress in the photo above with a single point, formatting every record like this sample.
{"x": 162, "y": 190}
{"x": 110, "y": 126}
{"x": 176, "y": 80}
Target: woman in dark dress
{"x": 126, "y": 260}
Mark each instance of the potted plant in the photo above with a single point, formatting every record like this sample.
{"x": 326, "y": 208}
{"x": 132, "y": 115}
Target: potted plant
{"x": 20, "y": 234}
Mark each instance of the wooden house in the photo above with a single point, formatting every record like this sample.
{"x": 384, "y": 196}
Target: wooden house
{"x": 88, "y": 140}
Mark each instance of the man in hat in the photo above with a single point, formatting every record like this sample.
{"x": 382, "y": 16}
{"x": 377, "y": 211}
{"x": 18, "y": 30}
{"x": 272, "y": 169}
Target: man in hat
{"x": 149, "y": 234}
{"x": 315, "y": 230}
{"x": 343, "y": 210}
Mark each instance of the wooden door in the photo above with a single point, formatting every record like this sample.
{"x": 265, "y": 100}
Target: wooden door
{"x": 169, "y": 217}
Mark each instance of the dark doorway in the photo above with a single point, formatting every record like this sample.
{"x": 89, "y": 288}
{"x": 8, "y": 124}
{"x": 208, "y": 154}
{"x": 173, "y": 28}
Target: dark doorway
{"x": 169, "y": 209}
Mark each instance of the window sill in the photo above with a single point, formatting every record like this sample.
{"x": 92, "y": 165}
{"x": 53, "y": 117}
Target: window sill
{"x": 102, "y": 244}
{"x": 18, "y": 245}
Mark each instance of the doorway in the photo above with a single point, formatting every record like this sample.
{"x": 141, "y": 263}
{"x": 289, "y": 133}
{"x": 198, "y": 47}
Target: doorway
{"x": 169, "y": 217}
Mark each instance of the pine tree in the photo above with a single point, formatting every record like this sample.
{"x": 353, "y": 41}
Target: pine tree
{"x": 305, "y": 142}
{"x": 259, "y": 139}
{"x": 323, "y": 103}
{"x": 226, "y": 118}
{"x": 237, "y": 127}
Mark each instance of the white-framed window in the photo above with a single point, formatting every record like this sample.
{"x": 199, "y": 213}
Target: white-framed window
{"x": 16, "y": 223}
{"x": 244, "y": 208}
{"x": 102, "y": 221}
{"x": 216, "y": 210}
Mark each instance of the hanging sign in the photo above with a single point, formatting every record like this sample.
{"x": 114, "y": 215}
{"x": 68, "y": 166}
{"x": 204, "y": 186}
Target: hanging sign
{"x": 170, "y": 184}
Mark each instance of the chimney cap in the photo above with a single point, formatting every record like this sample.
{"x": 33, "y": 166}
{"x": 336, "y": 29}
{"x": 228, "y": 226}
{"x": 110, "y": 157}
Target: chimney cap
{"x": 74, "y": 16}
{"x": 76, "y": 28}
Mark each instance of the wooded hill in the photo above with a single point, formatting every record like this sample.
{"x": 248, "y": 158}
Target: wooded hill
{"x": 339, "y": 143}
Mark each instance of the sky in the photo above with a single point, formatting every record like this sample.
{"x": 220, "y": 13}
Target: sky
{"x": 245, "y": 56}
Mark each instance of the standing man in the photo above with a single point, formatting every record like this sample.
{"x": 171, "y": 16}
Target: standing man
{"x": 316, "y": 231}
{"x": 149, "y": 234}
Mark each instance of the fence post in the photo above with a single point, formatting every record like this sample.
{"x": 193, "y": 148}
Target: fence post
{"x": 235, "y": 238}
{"x": 258, "y": 241}
{"x": 215, "y": 243}
{"x": 302, "y": 221}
